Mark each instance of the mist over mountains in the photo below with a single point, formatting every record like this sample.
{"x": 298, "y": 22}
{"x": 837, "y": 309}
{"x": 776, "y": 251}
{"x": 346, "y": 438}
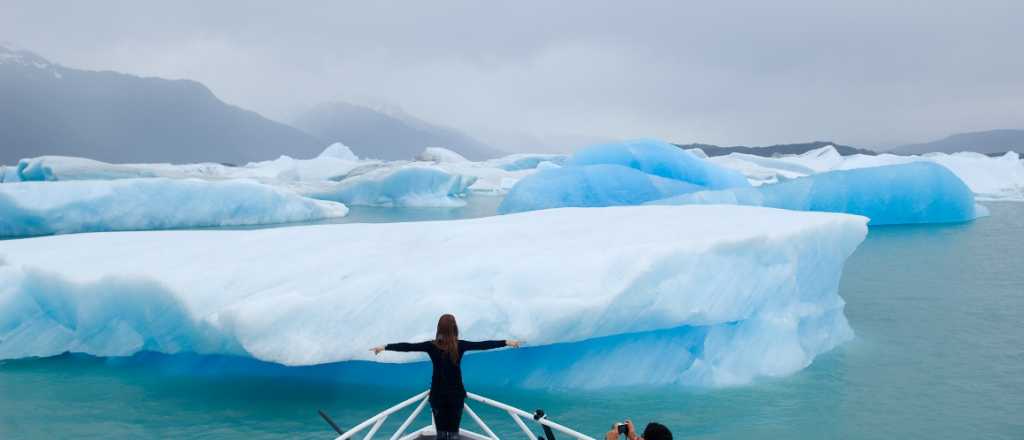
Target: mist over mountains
{"x": 51, "y": 109}
{"x": 986, "y": 142}
{"x": 383, "y": 134}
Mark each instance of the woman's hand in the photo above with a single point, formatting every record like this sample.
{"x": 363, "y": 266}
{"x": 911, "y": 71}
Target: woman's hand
{"x": 514, "y": 343}
{"x": 631, "y": 430}
{"x": 613, "y": 434}
{"x": 377, "y": 350}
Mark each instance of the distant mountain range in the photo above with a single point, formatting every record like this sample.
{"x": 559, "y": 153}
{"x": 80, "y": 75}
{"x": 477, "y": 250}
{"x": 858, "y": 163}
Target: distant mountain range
{"x": 773, "y": 150}
{"x": 986, "y": 142}
{"x": 386, "y": 134}
{"x": 49, "y": 109}
{"x": 46, "y": 108}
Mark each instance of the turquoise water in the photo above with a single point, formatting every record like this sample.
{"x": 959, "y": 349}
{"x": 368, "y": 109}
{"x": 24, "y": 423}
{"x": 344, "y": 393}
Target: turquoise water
{"x": 937, "y": 311}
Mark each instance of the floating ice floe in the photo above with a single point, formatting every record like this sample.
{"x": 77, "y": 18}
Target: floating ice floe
{"x": 63, "y": 168}
{"x": 919, "y": 192}
{"x": 590, "y": 186}
{"x": 9, "y": 174}
{"x": 696, "y": 295}
{"x": 990, "y": 178}
{"x": 42, "y": 208}
{"x": 410, "y": 185}
{"x": 334, "y": 163}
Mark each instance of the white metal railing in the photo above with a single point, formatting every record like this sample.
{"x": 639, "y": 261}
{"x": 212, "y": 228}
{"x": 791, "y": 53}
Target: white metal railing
{"x": 374, "y": 423}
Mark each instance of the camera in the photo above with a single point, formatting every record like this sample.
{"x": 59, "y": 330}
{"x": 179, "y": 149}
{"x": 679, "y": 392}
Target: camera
{"x": 623, "y": 428}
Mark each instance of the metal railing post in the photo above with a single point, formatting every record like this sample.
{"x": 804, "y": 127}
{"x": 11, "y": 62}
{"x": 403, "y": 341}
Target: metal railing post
{"x": 480, "y": 422}
{"x": 408, "y": 421}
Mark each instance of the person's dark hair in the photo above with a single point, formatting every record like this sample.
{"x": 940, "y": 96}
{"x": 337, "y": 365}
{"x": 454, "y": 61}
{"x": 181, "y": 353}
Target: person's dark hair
{"x": 447, "y": 337}
{"x": 657, "y": 431}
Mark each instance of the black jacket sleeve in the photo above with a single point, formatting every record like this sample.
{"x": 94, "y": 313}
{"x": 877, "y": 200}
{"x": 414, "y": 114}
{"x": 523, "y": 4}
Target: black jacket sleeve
{"x": 480, "y": 345}
{"x": 405, "y": 346}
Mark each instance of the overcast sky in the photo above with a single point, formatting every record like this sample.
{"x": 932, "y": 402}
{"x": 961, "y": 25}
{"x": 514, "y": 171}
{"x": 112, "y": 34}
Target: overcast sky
{"x": 866, "y": 73}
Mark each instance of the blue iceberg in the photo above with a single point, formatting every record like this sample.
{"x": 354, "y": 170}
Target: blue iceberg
{"x": 622, "y": 173}
{"x": 920, "y": 192}
{"x": 590, "y": 186}
{"x": 661, "y": 159}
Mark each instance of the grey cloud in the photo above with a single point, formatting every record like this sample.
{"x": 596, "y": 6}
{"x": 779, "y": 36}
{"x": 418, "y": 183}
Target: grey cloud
{"x": 864, "y": 73}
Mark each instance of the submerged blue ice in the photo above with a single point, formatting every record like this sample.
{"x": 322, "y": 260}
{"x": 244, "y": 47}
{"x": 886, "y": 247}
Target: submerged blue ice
{"x": 590, "y": 186}
{"x": 661, "y": 159}
{"x": 920, "y": 192}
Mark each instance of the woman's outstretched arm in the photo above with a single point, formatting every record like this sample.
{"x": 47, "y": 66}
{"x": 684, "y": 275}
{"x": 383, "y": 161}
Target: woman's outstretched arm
{"x": 403, "y": 346}
{"x": 488, "y": 345}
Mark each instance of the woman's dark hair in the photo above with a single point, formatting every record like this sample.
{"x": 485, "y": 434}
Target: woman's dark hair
{"x": 447, "y": 337}
{"x": 657, "y": 431}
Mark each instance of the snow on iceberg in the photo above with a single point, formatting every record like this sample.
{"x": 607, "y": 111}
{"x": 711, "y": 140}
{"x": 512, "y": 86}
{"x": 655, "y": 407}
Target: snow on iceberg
{"x": 715, "y": 295}
{"x": 339, "y": 150}
{"x": 761, "y": 170}
{"x": 440, "y": 155}
{"x": 590, "y": 186}
{"x": 412, "y": 185}
{"x": 990, "y": 178}
{"x": 920, "y": 192}
{"x": 525, "y": 161}
{"x": 660, "y": 159}
{"x": 57, "y": 168}
{"x": 334, "y": 163}
{"x": 42, "y": 208}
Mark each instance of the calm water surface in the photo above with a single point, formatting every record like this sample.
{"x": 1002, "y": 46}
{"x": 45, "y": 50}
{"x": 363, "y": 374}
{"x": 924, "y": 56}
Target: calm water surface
{"x": 938, "y": 312}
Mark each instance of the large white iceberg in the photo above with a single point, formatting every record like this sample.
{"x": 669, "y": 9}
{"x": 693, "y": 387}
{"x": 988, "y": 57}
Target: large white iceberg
{"x": 590, "y": 186}
{"x": 756, "y": 286}
{"x": 917, "y": 192}
{"x": 41, "y": 208}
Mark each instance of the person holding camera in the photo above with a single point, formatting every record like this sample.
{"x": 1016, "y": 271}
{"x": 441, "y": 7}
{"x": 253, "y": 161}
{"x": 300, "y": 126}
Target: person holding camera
{"x": 653, "y": 431}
